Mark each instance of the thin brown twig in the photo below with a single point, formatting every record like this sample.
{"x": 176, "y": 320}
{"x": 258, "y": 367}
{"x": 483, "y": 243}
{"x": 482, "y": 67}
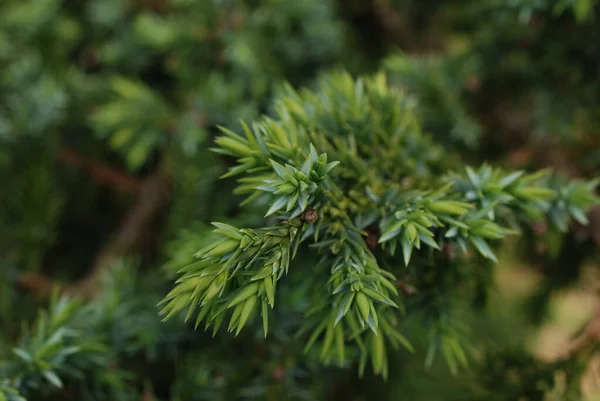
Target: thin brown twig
{"x": 38, "y": 284}
{"x": 152, "y": 198}
{"x": 590, "y": 334}
{"x": 101, "y": 173}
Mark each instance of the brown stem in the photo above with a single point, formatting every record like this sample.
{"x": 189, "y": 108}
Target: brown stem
{"x": 101, "y": 173}
{"x": 39, "y": 284}
{"x": 152, "y": 198}
{"x": 590, "y": 334}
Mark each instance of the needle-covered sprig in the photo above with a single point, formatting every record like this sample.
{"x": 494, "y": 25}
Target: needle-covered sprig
{"x": 346, "y": 173}
{"x": 294, "y": 189}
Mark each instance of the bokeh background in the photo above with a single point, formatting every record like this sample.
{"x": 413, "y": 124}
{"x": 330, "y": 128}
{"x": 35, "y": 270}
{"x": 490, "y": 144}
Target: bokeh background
{"x": 108, "y": 111}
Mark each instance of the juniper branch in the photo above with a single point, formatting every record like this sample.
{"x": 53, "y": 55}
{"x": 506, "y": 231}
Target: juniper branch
{"x": 388, "y": 174}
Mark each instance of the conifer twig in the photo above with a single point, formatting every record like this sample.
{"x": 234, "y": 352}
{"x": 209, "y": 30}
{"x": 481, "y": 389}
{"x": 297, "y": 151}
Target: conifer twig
{"x": 589, "y": 334}
{"x": 39, "y": 284}
{"x": 101, "y": 173}
{"x": 152, "y": 197}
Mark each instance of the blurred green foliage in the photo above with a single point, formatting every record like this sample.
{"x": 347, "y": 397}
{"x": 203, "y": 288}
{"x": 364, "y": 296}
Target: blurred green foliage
{"x": 377, "y": 255}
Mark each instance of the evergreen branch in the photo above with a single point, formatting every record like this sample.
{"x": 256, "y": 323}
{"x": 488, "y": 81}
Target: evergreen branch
{"x": 387, "y": 177}
{"x": 76, "y": 347}
{"x": 287, "y": 165}
{"x": 385, "y": 208}
{"x": 537, "y": 195}
{"x": 473, "y": 208}
{"x": 56, "y": 348}
{"x": 240, "y": 270}
{"x": 224, "y": 266}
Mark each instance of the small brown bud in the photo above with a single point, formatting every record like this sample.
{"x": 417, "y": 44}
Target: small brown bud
{"x": 310, "y": 215}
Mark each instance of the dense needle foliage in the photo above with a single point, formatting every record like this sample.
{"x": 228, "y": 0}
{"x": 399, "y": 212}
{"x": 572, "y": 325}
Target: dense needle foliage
{"x": 293, "y": 200}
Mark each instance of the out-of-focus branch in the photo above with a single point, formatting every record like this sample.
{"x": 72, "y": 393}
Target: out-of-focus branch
{"x": 100, "y": 172}
{"x": 152, "y": 198}
{"x": 590, "y": 334}
{"x": 38, "y": 284}
{"x": 543, "y": 154}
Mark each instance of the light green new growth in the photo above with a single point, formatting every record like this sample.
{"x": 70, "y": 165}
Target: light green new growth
{"x": 388, "y": 181}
